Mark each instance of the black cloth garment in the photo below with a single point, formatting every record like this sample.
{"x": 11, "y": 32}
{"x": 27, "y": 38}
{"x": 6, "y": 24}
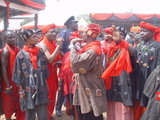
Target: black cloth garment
{"x": 152, "y": 91}
{"x": 148, "y": 58}
{"x": 121, "y": 89}
{"x": 86, "y": 116}
{"x": 32, "y": 81}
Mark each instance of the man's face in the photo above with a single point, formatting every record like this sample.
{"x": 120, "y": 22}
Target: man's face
{"x": 74, "y": 26}
{"x": 33, "y": 39}
{"x": 107, "y": 37}
{"x": 10, "y": 38}
{"x": 52, "y": 34}
{"x": 146, "y": 34}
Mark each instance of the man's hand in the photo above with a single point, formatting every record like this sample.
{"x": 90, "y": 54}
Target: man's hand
{"x": 59, "y": 41}
{"x": 73, "y": 41}
{"x": 8, "y": 90}
{"x": 22, "y": 96}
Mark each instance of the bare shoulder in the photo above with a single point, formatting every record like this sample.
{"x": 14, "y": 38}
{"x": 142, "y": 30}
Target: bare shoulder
{"x": 5, "y": 52}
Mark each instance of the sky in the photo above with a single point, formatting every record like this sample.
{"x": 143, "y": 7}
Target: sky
{"x": 57, "y": 11}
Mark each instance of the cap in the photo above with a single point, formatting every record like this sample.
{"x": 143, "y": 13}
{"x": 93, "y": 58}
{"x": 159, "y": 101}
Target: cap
{"x": 70, "y": 20}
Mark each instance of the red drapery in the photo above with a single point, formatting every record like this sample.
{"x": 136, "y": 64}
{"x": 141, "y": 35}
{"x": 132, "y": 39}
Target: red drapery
{"x": 105, "y": 16}
{"x": 33, "y": 4}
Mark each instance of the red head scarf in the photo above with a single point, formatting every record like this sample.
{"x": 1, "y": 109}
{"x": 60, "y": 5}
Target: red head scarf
{"x": 109, "y": 30}
{"x": 148, "y": 26}
{"x": 47, "y": 28}
{"x": 75, "y": 35}
{"x": 93, "y": 30}
{"x": 152, "y": 28}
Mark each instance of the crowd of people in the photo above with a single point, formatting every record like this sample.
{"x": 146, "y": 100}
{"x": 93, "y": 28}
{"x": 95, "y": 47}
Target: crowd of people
{"x": 117, "y": 75}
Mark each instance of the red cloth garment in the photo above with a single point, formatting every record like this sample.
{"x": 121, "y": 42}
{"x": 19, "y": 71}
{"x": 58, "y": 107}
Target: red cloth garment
{"x": 106, "y": 46}
{"x": 75, "y": 35}
{"x": 10, "y": 104}
{"x": 96, "y": 46}
{"x": 138, "y": 111}
{"x": 52, "y": 79}
{"x": 33, "y": 52}
{"x": 66, "y": 74}
{"x": 13, "y": 53}
{"x": 122, "y": 62}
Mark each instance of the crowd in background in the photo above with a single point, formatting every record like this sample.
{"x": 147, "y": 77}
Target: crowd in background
{"x": 93, "y": 71}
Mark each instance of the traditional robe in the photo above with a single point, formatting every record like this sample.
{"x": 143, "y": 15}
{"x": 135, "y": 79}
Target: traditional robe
{"x": 52, "y": 79}
{"x": 90, "y": 91}
{"x": 152, "y": 91}
{"x": 33, "y": 81}
{"x": 148, "y": 58}
{"x": 67, "y": 74}
{"x": 118, "y": 82}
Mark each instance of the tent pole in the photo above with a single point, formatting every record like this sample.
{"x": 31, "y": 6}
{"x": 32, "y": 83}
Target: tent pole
{"x": 36, "y": 21}
{"x": 6, "y": 22}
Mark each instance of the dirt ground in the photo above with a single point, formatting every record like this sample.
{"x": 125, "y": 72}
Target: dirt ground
{"x": 64, "y": 116}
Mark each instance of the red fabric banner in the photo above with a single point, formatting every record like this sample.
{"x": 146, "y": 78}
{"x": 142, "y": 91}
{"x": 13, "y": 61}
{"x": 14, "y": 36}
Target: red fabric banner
{"x": 105, "y": 16}
{"x": 33, "y": 4}
{"x": 123, "y": 16}
{"x": 145, "y": 16}
{"x": 101, "y": 16}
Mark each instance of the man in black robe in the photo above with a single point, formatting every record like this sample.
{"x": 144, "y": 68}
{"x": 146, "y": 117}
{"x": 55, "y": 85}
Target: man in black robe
{"x": 148, "y": 58}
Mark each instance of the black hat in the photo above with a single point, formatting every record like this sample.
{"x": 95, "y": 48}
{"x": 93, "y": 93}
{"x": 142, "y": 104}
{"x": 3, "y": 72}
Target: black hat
{"x": 70, "y": 20}
{"x": 27, "y": 33}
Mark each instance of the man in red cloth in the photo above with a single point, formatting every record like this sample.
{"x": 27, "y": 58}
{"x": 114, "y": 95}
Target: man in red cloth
{"x": 10, "y": 94}
{"x": 51, "y": 50}
{"x": 66, "y": 75}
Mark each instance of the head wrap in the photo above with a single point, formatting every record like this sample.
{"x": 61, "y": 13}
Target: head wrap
{"x": 75, "y": 35}
{"x": 135, "y": 29}
{"x": 27, "y": 33}
{"x": 70, "y": 20}
{"x": 93, "y": 30}
{"x": 148, "y": 26}
{"x": 109, "y": 30}
{"x": 47, "y": 28}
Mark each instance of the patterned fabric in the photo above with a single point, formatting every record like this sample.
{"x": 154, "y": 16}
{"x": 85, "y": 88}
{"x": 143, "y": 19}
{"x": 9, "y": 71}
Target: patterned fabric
{"x": 33, "y": 81}
{"x": 90, "y": 93}
{"x": 152, "y": 91}
{"x": 148, "y": 58}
